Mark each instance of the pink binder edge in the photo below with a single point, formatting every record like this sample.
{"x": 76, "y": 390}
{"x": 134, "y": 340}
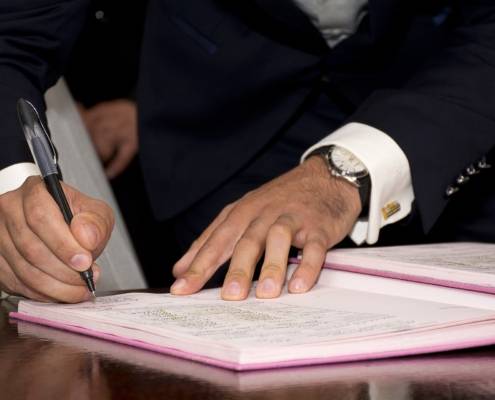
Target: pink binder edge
{"x": 254, "y": 366}
{"x": 405, "y": 277}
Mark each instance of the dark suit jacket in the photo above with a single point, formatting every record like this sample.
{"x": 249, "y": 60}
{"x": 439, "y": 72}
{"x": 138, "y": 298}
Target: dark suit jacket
{"x": 104, "y": 61}
{"x": 219, "y": 81}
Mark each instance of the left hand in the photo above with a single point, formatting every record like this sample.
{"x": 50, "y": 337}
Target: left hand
{"x": 306, "y": 208}
{"x": 112, "y": 126}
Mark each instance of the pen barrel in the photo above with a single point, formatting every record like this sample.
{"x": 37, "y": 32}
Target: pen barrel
{"x": 55, "y": 189}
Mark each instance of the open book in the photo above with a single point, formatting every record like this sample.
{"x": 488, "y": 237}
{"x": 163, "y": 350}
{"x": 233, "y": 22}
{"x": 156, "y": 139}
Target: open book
{"x": 346, "y": 317}
{"x": 468, "y": 266}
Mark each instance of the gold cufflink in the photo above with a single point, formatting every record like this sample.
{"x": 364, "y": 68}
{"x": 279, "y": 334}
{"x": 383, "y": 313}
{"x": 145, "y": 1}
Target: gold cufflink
{"x": 390, "y": 209}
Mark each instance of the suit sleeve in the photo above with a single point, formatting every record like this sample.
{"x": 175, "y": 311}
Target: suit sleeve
{"x": 36, "y": 37}
{"x": 444, "y": 117}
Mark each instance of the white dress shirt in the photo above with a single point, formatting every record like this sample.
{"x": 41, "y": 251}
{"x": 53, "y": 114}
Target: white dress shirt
{"x": 391, "y": 187}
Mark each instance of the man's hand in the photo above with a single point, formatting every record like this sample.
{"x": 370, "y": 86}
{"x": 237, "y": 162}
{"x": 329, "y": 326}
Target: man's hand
{"x": 40, "y": 255}
{"x": 113, "y": 129}
{"x": 306, "y": 208}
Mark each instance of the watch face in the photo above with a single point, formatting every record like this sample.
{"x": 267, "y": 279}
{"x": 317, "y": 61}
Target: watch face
{"x": 346, "y": 163}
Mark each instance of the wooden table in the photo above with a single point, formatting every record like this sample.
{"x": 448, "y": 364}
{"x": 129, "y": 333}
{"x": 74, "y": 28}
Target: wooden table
{"x": 37, "y": 362}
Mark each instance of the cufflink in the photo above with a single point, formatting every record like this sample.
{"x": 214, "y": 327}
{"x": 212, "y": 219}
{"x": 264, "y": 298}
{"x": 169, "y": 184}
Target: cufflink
{"x": 390, "y": 209}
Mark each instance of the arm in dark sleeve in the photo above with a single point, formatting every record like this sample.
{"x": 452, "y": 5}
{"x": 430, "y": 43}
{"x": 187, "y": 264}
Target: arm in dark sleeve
{"x": 444, "y": 118}
{"x": 36, "y": 37}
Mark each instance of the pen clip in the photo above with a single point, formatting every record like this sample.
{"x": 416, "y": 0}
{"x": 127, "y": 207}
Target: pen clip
{"x": 35, "y": 132}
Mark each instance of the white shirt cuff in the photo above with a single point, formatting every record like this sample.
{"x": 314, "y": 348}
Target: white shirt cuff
{"x": 391, "y": 186}
{"x": 13, "y": 176}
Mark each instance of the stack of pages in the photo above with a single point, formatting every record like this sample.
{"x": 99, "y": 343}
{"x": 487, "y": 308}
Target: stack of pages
{"x": 347, "y": 316}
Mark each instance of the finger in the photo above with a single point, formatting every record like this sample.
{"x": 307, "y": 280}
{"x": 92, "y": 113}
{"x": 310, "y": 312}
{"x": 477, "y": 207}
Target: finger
{"x": 313, "y": 257}
{"x": 36, "y": 280}
{"x": 274, "y": 268}
{"x": 29, "y": 245}
{"x": 184, "y": 262}
{"x": 215, "y": 251}
{"x": 45, "y": 220}
{"x": 247, "y": 253}
{"x": 105, "y": 145}
{"x": 35, "y": 252}
{"x": 94, "y": 115}
{"x": 124, "y": 155}
{"x": 10, "y": 284}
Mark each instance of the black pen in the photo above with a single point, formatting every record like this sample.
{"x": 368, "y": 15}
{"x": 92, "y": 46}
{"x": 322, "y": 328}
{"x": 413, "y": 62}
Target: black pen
{"x": 45, "y": 156}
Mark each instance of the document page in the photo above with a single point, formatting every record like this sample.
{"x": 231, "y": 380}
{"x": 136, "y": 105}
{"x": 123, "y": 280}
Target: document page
{"x": 472, "y": 257}
{"x": 321, "y": 315}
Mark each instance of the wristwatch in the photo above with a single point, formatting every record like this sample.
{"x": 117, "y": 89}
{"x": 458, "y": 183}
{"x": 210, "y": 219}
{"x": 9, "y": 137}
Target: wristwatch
{"x": 345, "y": 165}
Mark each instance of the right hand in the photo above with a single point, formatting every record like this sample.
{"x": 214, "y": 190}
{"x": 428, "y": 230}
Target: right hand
{"x": 40, "y": 255}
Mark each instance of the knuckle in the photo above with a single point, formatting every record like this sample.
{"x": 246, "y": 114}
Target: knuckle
{"x": 244, "y": 208}
{"x": 35, "y": 187}
{"x": 224, "y": 231}
{"x": 256, "y": 224}
{"x": 195, "y": 274}
{"x": 6, "y": 200}
{"x": 271, "y": 268}
{"x": 236, "y": 274}
{"x": 63, "y": 249}
{"x": 280, "y": 229}
{"x": 32, "y": 252}
{"x": 208, "y": 249}
{"x": 248, "y": 195}
{"x": 228, "y": 208}
{"x": 107, "y": 212}
{"x": 15, "y": 287}
{"x": 195, "y": 244}
{"x": 319, "y": 242}
{"x": 248, "y": 242}
{"x": 35, "y": 215}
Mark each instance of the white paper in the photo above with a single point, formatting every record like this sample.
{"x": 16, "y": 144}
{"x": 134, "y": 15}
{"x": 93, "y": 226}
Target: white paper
{"x": 322, "y": 315}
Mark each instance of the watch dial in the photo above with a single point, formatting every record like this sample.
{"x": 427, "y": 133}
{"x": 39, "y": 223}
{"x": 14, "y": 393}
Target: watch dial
{"x": 346, "y": 162}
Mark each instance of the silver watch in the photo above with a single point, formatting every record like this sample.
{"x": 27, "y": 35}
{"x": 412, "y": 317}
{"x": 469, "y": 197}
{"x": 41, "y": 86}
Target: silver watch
{"x": 344, "y": 164}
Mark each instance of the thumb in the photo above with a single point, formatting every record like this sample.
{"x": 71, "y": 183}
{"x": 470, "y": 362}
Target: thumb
{"x": 92, "y": 224}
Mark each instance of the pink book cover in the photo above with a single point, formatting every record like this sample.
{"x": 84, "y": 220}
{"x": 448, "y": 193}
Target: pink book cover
{"x": 453, "y": 345}
{"x": 404, "y": 277}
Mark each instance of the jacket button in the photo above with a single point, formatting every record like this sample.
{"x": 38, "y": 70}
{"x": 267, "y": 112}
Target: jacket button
{"x": 483, "y": 164}
{"x": 451, "y": 190}
{"x": 471, "y": 170}
{"x": 100, "y": 15}
{"x": 461, "y": 179}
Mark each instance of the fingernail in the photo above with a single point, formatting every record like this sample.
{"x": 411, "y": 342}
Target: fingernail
{"x": 233, "y": 289}
{"x": 91, "y": 234}
{"x": 268, "y": 286}
{"x": 298, "y": 286}
{"x": 80, "y": 261}
{"x": 178, "y": 285}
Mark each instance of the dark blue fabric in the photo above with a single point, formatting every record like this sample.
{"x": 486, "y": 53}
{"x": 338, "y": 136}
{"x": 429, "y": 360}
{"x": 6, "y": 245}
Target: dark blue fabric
{"x": 35, "y": 41}
{"x": 232, "y": 79}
